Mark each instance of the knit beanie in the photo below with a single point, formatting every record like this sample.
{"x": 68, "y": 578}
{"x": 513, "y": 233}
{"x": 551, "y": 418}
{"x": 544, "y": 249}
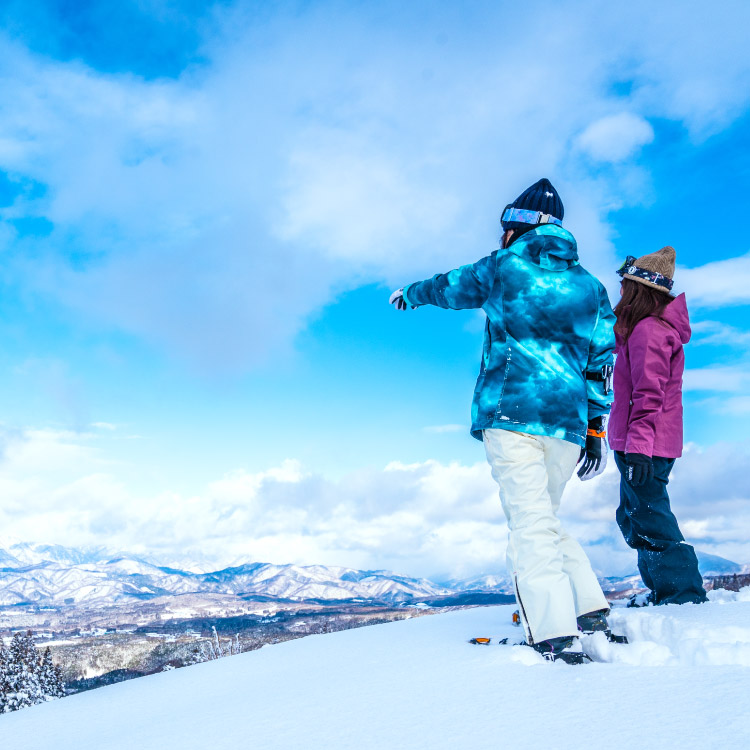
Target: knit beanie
{"x": 655, "y": 270}
{"x": 541, "y": 197}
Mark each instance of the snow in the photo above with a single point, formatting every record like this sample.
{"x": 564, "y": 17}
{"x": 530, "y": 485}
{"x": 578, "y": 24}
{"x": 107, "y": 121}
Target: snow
{"x": 688, "y": 635}
{"x": 684, "y": 682}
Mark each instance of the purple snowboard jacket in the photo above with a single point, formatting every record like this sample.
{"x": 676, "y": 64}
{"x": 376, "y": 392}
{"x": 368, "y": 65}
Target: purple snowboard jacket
{"x": 647, "y": 411}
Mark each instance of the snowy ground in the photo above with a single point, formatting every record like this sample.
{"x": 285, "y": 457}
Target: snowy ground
{"x": 684, "y": 682}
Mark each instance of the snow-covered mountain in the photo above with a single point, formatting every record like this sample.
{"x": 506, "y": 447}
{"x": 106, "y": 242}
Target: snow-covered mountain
{"x": 53, "y": 574}
{"x": 713, "y": 565}
{"x": 42, "y": 574}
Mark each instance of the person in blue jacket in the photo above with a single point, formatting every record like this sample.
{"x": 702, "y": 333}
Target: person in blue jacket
{"x": 540, "y": 402}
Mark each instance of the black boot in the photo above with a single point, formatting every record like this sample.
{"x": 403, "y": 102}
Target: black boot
{"x": 642, "y": 600}
{"x": 555, "y": 649}
{"x": 596, "y": 622}
{"x": 593, "y": 622}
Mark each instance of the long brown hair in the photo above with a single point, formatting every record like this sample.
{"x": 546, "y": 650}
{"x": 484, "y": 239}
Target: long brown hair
{"x": 638, "y": 301}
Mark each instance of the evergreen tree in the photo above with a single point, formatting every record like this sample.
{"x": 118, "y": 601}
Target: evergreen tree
{"x": 25, "y": 677}
{"x": 4, "y": 676}
{"x": 23, "y": 687}
{"x": 50, "y": 677}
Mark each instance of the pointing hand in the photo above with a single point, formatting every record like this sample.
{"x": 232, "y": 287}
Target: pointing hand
{"x": 397, "y": 298}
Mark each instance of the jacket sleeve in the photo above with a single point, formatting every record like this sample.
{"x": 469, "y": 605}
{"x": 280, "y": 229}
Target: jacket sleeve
{"x": 601, "y": 353}
{"x": 650, "y": 362}
{"x": 461, "y": 289}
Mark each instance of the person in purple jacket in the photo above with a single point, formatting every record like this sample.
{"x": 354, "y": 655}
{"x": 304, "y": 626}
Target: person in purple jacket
{"x": 645, "y": 427}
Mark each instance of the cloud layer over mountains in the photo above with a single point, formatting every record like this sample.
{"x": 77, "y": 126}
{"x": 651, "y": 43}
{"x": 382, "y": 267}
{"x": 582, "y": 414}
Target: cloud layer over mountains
{"x": 428, "y": 519}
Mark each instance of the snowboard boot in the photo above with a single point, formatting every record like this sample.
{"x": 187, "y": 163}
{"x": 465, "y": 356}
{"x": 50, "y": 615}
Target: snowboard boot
{"x": 559, "y": 649}
{"x": 642, "y": 600}
{"x": 596, "y": 622}
{"x": 593, "y": 622}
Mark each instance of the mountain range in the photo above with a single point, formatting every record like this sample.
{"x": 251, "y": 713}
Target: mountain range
{"x": 56, "y": 575}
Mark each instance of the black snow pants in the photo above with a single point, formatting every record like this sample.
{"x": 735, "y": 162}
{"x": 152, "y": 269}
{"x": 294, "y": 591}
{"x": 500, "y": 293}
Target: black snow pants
{"x": 667, "y": 564}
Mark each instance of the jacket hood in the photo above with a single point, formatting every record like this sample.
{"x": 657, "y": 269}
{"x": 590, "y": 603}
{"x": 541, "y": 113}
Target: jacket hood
{"x": 548, "y": 246}
{"x": 676, "y": 314}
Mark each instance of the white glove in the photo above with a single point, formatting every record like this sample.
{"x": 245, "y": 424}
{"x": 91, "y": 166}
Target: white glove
{"x": 593, "y": 467}
{"x": 397, "y": 298}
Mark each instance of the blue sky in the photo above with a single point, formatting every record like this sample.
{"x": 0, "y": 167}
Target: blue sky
{"x": 203, "y": 209}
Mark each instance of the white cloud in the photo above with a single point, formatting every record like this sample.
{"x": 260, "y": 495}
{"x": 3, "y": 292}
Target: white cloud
{"x": 728, "y": 379}
{"x": 427, "y": 518}
{"x": 718, "y": 283}
{"x": 616, "y": 137}
{"x": 735, "y": 405}
{"x": 350, "y": 197}
{"x": 714, "y": 333}
{"x": 730, "y": 405}
{"x": 691, "y": 63}
{"x": 333, "y": 145}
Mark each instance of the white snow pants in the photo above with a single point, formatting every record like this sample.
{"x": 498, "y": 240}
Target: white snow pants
{"x": 553, "y": 578}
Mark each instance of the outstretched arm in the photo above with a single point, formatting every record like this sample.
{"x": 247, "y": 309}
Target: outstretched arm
{"x": 464, "y": 288}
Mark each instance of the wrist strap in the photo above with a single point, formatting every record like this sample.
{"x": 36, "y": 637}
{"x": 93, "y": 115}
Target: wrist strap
{"x": 594, "y": 433}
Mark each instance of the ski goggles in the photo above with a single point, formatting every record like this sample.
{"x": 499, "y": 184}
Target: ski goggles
{"x": 524, "y": 216}
{"x": 630, "y": 269}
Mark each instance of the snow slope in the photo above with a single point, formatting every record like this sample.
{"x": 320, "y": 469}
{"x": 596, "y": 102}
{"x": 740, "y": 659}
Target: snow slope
{"x": 683, "y": 683}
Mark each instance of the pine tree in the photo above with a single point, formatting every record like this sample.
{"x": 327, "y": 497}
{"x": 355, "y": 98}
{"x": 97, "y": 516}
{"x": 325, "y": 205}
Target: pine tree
{"x": 47, "y": 673}
{"x": 4, "y": 676}
{"x": 26, "y": 678}
{"x": 60, "y": 682}
{"x": 17, "y": 688}
{"x": 50, "y": 677}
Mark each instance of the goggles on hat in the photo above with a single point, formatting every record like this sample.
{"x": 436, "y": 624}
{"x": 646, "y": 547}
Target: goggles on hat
{"x": 524, "y": 216}
{"x": 629, "y": 268}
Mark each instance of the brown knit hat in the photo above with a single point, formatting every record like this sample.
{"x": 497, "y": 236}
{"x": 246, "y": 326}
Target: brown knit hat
{"x": 660, "y": 263}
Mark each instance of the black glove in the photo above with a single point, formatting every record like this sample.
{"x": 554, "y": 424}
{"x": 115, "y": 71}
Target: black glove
{"x": 591, "y": 455}
{"x": 640, "y": 468}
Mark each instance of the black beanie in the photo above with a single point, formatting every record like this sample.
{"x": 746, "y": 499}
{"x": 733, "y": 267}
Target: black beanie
{"x": 541, "y": 196}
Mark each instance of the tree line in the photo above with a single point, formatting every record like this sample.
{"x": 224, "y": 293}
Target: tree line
{"x": 27, "y": 677}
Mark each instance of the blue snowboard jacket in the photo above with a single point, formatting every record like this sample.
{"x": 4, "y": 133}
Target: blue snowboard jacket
{"x": 549, "y": 321}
